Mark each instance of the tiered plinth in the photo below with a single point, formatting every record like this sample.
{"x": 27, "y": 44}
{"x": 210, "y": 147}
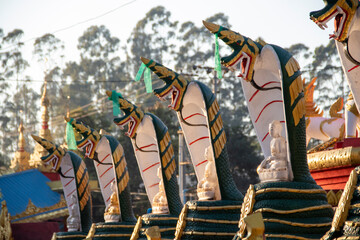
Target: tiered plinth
{"x": 116, "y": 230}
{"x": 291, "y": 210}
{"x": 166, "y": 223}
{"x": 208, "y": 220}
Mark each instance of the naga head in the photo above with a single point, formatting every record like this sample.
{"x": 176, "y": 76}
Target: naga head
{"x": 175, "y": 84}
{"x": 90, "y": 138}
{"x": 55, "y": 155}
{"x": 132, "y": 116}
{"x": 244, "y": 53}
{"x": 342, "y": 10}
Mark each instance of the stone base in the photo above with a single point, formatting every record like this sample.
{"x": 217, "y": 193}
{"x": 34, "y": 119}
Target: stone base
{"x": 294, "y": 210}
{"x": 267, "y": 175}
{"x": 111, "y": 230}
{"x": 203, "y": 220}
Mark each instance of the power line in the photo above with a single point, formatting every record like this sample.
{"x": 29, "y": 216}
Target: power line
{"x": 78, "y": 23}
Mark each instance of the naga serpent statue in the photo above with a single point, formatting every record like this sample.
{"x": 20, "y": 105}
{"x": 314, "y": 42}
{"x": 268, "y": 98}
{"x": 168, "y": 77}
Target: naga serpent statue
{"x": 199, "y": 117}
{"x": 156, "y": 160}
{"x": 346, "y": 14}
{"x": 75, "y": 180}
{"x": 111, "y": 169}
{"x": 296, "y": 208}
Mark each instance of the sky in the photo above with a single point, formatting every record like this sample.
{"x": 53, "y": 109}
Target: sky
{"x": 280, "y": 22}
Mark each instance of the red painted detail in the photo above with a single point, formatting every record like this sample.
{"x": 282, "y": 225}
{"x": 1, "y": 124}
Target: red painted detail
{"x": 198, "y": 140}
{"x": 67, "y": 171}
{"x": 103, "y": 159}
{"x": 155, "y": 184}
{"x": 109, "y": 183}
{"x": 153, "y": 144}
{"x": 151, "y": 166}
{"x": 71, "y": 193}
{"x": 348, "y": 142}
{"x": 106, "y": 171}
{"x": 45, "y": 125}
{"x": 267, "y": 134}
{"x": 332, "y": 178}
{"x": 201, "y": 163}
{"x": 69, "y": 182}
{"x": 195, "y": 114}
{"x": 259, "y": 90}
{"x": 353, "y": 68}
{"x": 275, "y": 101}
{"x": 108, "y": 199}
{"x": 52, "y": 176}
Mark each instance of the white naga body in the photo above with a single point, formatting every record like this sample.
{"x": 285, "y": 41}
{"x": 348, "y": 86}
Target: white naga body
{"x": 147, "y": 155}
{"x": 198, "y": 138}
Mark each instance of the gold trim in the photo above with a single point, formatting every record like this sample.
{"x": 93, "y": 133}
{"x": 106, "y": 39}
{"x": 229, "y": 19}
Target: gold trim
{"x": 113, "y": 235}
{"x": 294, "y": 210}
{"x": 208, "y": 233}
{"x": 213, "y": 110}
{"x": 114, "y": 226}
{"x": 296, "y": 87}
{"x": 348, "y": 238}
{"x": 71, "y": 236}
{"x": 334, "y": 158}
{"x": 220, "y": 144}
{"x": 135, "y": 233}
{"x": 342, "y": 210}
{"x": 352, "y": 224}
{"x": 299, "y": 111}
{"x": 288, "y": 236}
{"x": 291, "y": 190}
{"x": 204, "y": 208}
{"x": 326, "y": 121}
{"x": 161, "y": 229}
{"x": 159, "y": 218}
{"x": 181, "y": 223}
{"x": 31, "y": 209}
{"x": 336, "y": 107}
{"x": 352, "y": 108}
{"x": 297, "y": 224}
{"x": 291, "y": 67}
{"x": 211, "y": 221}
{"x": 246, "y": 209}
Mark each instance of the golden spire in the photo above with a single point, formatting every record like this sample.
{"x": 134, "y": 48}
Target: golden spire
{"x": 44, "y": 132}
{"x": 20, "y": 162}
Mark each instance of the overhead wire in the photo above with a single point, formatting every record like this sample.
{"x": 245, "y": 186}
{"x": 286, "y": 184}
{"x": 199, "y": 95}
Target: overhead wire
{"x": 75, "y": 24}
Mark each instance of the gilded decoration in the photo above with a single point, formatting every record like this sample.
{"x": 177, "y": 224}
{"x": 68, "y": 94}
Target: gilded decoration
{"x": 32, "y": 210}
{"x": 334, "y": 158}
{"x": 246, "y": 209}
{"x": 344, "y": 203}
{"x": 5, "y": 225}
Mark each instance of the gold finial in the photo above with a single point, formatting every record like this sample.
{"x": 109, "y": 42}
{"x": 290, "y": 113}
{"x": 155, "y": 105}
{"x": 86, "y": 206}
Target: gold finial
{"x": 109, "y": 93}
{"x": 214, "y": 28}
{"x": 22, "y": 142}
{"x": 145, "y": 60}
{"x": 20, "y": 162}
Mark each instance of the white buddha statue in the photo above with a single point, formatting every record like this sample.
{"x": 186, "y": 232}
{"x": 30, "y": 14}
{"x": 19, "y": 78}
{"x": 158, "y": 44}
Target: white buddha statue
{"x": 112, "y": 212}
{"x": 275, "y": 167}
{"x": 73, "y": 221}
{"x": 207, "y": 186}
{"x": 160, "y": 204}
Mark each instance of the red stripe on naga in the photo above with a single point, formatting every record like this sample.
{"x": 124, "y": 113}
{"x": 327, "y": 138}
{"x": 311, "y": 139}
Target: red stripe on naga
{"x": 256, "y": 92}
{"x": 193, "y": 115}
{"x": 153, "y": 144}
{"x": 155, "y": 184}
{"x": 151, "y": 166}
{"x": 109, "y": 183}
{"x": 103, "y": 159}
{"x": 198, "y": 140}
{"x": 353, "y": 68}
{"x": 276, "y": 101}
{"x": 106, "y": 171}
{"x": 69, "y": 182}
{"x": 201, "y": 163}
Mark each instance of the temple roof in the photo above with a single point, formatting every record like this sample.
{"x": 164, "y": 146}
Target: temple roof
{"x": 29, "y": 198}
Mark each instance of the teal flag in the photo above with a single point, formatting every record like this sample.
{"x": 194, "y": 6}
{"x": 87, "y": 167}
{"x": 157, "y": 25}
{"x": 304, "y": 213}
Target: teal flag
{"x": 147, "y": 80}
{"x": 70, "y": 137}
{"x": 217, "y": 58}
{"x": 140, "y": 72}
{"x": 115, "y": 100}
